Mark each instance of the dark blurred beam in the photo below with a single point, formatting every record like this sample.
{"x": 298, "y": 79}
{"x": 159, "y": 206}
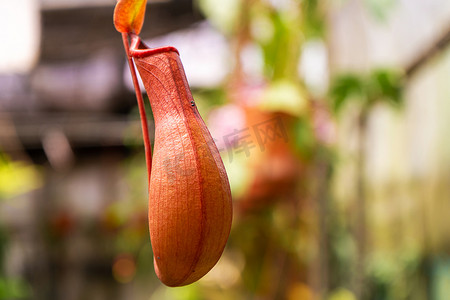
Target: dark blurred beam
{"x": 81, "y": 130}
{"x": 76, "y": 32}
{"x": 436, "y": 47}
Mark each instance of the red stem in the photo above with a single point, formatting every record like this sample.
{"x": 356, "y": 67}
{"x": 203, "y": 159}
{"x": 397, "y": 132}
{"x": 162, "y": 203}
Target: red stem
{"x": 140, "y": 101}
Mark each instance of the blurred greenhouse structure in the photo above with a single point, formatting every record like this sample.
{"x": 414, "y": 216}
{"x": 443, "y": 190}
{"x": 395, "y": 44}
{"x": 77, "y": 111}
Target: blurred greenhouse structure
{"x": 332, "y": 119}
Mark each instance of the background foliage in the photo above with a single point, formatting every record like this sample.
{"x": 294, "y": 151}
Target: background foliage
{"x": 338, "y": 160}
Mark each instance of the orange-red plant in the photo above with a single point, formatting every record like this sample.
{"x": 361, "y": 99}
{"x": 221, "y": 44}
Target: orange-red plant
{"x": 190, "y": 209}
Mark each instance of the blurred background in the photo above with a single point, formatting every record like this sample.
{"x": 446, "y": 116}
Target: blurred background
{"x": 332, "y": 118}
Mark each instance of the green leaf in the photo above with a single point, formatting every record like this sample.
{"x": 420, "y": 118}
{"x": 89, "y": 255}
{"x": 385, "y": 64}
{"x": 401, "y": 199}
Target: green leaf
{"x": 345, "y": 87}
{"x": 387, "y": 86}
{"x": 381, "y": 85}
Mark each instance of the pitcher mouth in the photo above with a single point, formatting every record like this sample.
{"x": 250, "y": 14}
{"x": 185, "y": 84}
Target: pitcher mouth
{"x": 140, "y": 49}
